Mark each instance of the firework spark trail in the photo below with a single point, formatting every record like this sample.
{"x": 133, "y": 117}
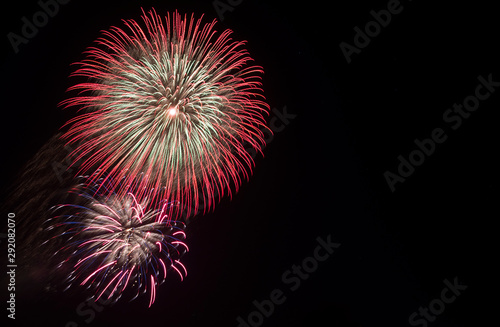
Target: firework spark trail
{"x": 115, "y": 245}
{"x": 167, "y": 111}
{"x": 172, "y": 101}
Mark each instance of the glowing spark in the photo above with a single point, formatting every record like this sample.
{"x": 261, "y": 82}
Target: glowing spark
{"x": 173, "y": 100}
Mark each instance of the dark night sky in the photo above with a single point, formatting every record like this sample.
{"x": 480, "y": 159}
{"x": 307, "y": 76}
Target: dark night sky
{"x": 321, "y": 175}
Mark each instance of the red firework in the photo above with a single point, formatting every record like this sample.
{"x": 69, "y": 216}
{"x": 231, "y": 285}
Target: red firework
{"x": 172, "y": 101}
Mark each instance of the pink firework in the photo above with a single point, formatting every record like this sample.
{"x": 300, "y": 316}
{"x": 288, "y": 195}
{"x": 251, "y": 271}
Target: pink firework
{"x": 116, "y": 245}
{"x": 172, "y": 100}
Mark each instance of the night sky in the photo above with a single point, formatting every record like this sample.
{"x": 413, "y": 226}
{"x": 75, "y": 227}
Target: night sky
{"x": 326, "y": 226}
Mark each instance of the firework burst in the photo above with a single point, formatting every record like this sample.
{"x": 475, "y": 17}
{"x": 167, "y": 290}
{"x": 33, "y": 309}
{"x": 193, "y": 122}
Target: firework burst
{"x": 173, "y": 101}
{"x": 117, "y": 245}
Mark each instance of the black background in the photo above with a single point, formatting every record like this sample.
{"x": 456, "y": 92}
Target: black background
{"x": 321, "y": 175}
